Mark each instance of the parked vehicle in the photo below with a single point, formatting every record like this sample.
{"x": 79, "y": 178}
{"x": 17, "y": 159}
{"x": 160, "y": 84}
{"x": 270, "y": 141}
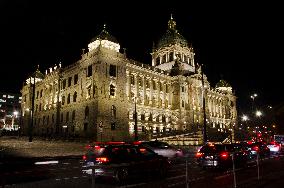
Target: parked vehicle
{"x": 274, "y": 147}
{"x": 259, "y": 148}
{"x": 220, "y": 155}
{"x": 163, "y": 148}
{"x": 122, "y": 161}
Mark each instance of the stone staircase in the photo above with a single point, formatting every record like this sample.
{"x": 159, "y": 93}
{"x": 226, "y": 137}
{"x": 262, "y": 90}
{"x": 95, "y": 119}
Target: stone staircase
{"x": 188, "y": 139}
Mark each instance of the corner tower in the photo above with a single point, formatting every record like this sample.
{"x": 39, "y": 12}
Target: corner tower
{"x": 172, "y": 53}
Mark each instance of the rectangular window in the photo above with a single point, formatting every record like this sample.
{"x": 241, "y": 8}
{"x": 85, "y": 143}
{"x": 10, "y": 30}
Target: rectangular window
{"x": 64, "y": 84}
{"x": 90, "y": 71}
{"x": 112, "y": 70}
{"x": 69, "y": 81}
{"x": 75, "y": 79}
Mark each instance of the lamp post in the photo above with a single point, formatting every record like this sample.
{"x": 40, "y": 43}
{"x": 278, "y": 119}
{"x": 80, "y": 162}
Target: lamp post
{"x": 258, "y": 114}
{"x": 135, "y": 121}
{"x": 32, "y": 108}
{"x": 204, "y": 111}
{"x": 253, "y": 96}
{"x": 245, "y": 119}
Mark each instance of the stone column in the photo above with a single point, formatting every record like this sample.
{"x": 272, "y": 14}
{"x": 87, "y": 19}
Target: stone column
{"x": 128, "y": 84}
{"x": 144, "y": 90}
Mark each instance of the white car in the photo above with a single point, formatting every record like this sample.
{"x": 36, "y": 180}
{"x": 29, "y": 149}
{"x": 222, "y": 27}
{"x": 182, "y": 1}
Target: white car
{"x": 274, "y": 147}
{"x": 163, "y": 148}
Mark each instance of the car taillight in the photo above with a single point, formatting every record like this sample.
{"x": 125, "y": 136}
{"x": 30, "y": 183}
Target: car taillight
{"x": 102, "y": 159}
{"x": 255, "y": 148}
{"x": 84, "y": 157}
{"x": 199, "y": 154}
{"x": 97, "y": 147}
{"x": 224, "y": 155}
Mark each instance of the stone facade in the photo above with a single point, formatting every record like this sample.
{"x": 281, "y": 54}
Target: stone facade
{"x": 96, "y": 97}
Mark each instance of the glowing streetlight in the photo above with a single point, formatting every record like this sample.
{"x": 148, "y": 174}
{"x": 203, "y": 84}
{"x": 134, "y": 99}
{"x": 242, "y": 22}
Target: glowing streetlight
{"x": 245, "y": 118}
{"x": 16, "y": 113}
{"x": 258, "y": 113}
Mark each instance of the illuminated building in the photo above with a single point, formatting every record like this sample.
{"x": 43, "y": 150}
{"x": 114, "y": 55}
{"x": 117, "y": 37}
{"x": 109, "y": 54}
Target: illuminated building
{"x": 104, "y": 85}
{"x": 10, "y": 106}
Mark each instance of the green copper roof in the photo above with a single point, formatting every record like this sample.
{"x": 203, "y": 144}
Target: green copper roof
{"x": 172, "y": 36}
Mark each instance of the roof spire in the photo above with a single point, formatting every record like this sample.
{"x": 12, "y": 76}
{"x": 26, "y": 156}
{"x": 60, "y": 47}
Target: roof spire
{"x": 171, "y": 23}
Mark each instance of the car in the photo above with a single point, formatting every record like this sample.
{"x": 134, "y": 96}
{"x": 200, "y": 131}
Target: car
{"x": 122, "y": 161}
{"x": 220, "y": 156}
{"x": 274, "y": 147}
{"x": 163, "y": 148}
{"x": 258, "y": 148}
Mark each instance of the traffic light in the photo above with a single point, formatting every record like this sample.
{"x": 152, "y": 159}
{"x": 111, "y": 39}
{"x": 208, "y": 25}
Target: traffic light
{"x": 112, "y": 127}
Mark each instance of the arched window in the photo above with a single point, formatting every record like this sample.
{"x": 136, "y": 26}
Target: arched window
{"x": 158, "y": 61}
{"x": 132, "y": 79}
{"x": 143, "y": 117}
{"x": 171, "y": 56}
{"x": 86, "y": 112}
{"x": 75, "y": 96}
{"x": 150, "y": 117}
{"x": 113, "y": 111}
{"x": 163, "y": 118}
{"x": 63, "y": 100}
{"x": 68, "y": 99}
{"x": 157, "y": 119}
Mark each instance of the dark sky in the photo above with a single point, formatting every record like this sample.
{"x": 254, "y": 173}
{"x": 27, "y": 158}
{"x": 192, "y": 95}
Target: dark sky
{"x": 239, "y": 42}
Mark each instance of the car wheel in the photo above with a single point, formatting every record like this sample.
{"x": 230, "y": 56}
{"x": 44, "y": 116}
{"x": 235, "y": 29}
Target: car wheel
{"x": 121, "y": 175}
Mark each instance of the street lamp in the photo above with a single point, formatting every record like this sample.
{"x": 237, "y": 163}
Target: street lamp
{"x": 135, "y": 121}
{"x": 253, "y": 96}
{"x": 258, "y": 114}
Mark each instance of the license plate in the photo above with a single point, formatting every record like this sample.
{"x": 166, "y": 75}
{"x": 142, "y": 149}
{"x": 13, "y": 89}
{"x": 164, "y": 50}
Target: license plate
{"x": 208, "y": 157}
{"x": 90, "y": 164}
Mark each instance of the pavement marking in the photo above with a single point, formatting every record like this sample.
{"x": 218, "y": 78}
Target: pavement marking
{"x": 67, "y": 178}
{"x": 57, "y": 179}
{"x": 132, "y": 185}
{"x": 66, "y": 163}
{"x": 46, "y": 162}
{"x": 75, "y": 177}
{"x": 176, "y": 177}
{"x": 223, "y": 176}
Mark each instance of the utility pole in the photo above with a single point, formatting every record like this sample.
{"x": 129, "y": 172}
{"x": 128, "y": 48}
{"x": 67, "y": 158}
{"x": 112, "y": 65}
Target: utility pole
{"x": 204, "y": 111}
{"x": 135, "y": 121}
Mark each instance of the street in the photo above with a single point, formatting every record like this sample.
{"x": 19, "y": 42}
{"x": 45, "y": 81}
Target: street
{"x": 67, "y": 172}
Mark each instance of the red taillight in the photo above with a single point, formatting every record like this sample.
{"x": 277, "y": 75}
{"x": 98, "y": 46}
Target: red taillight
{"x": 255, "y": 148}
{"x": 224, "y": 155}
{"x": 88, "y": 147}
{"x": 137, "y": 142}
{"x": 199, "y": 154}
{"x": 97, "y": 147}
{"x": 102, "y": 159}
{"x": 84, "y": 157}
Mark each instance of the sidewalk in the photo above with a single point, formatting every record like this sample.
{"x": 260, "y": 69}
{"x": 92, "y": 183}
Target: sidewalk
{"x": 21, "y": 147}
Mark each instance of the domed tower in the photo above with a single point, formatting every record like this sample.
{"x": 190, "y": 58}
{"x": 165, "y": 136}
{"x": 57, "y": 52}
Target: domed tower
{"x": 105, "y": 40}
{"x": 173, "y": 53}
{"x": 224, "y": 86}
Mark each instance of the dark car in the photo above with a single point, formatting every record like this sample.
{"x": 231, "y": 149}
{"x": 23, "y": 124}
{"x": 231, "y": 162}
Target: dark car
{"x": 122, "y": 161}
{"x": 259, "y": 148}
{"x": 220, "y": 155}
{"x": 163, "y": 148}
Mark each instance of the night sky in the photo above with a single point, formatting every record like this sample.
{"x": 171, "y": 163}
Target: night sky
{"x": 239, "y": 42}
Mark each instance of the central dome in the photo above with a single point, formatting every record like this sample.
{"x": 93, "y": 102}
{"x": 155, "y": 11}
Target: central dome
{"x": 172, "y": 36}
{"x": 104, "y": 35}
